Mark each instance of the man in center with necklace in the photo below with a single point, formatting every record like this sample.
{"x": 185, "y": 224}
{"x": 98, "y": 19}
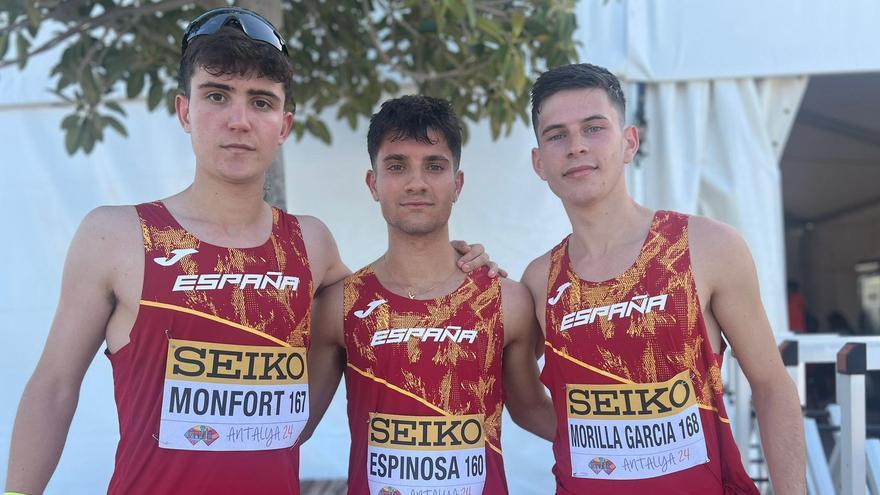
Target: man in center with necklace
{"x": 430, "y": 354}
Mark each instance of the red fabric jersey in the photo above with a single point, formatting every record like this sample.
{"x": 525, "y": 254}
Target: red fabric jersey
{"x": 635, "y": 384}
{"x": 211, "y": 389}
{"x": 424, "y": 388}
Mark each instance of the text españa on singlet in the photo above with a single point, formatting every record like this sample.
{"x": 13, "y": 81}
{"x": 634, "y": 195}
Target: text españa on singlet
{"x": 411, "y": 453}
{"x": 233, "y": 397}
{"x": 634, "y": 430}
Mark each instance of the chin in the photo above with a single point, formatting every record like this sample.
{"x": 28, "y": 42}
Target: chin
{"x": 581, "y": 198}
{"x": 417, "y": 228}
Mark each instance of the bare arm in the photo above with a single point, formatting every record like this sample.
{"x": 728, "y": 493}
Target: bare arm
{"x": 324, "y": 260}
{"x": 535, "y": 279}
{"x": 326, "y": 355}
{"x": 50, "y": 397}
{"x": 529, "y": 405}
{"x": 736, "y": 306}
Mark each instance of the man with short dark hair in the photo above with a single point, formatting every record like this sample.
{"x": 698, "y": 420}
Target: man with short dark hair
{"x": 430, "y": 354}
{"x": 203, "y": 298}
{"x": 633, "y": 305}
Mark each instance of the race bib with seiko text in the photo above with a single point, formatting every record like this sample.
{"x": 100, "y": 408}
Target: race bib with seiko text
{"x": 224, "y": 397}
{"x": 634, "y": 431}
{"x": 426, "y": 454}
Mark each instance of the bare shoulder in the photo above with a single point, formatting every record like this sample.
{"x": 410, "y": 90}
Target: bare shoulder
{"x": 111, "y": 221}
{"x": 112, "y": 231}
{"x": 312, "y": 226}
{"x": 515, "y": 295}
{"x": 717, "y": 249}
{"x": 536, "y": 274}
{"x": 327, "y": 267}
{"x": 316, "y": 235}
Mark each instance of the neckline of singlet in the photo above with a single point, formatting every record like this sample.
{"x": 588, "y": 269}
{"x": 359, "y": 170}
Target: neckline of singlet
{"x": 652, "y": 230}
{"x": 401, "y": 298}
{"x": 174, "y": 223}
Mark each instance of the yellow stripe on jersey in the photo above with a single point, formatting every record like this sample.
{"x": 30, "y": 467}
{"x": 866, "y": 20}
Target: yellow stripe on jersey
{"x": 211, "y": 317}
{"x": 412, "y": 396}
{"x": 620, "y": 378}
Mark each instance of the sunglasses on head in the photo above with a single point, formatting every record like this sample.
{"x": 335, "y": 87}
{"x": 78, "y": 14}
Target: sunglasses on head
{"x": 250, "y": 23}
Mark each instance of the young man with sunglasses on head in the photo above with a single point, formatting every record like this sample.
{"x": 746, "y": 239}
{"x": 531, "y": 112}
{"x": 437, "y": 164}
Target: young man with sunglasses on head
{"x": 636, "y": 306}
{"x": 203, "y": 298}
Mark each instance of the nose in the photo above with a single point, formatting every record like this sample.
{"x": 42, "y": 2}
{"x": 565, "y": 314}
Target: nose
{"x": 577, "y": 145}
{"x": 416, "y": 182}
{"x": 239, "y": 120}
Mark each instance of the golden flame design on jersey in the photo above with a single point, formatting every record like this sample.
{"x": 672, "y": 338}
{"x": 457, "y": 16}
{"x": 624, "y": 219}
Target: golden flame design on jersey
{"x": 456, "y": 377}
{"x": 289, "y": 309}
{"x": 641, "y": 328}
{"x": 637, "y": 348}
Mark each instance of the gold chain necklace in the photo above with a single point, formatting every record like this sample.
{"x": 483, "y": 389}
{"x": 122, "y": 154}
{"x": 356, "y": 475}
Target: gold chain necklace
{"x": 411, "y": 292}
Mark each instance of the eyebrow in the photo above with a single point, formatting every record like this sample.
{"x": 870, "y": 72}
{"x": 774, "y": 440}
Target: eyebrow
{"x": 230, "y": 89}
{"x": 436, "y": 158}
{"x": 591, "y": 118}
{"x": 399, "y": 157}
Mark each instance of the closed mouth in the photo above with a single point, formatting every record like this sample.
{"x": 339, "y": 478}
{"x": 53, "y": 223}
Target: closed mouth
{"x": 579, "y": 170}
{"x": 238, "y": 147}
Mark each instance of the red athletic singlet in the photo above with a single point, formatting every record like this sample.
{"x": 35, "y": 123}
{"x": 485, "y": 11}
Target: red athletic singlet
{"x": 212, "y": 388}
{"x": 635, "y": 383}
{"x": 424, "y": 389}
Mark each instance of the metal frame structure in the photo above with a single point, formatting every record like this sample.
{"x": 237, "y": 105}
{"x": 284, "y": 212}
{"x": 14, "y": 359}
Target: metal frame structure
{"x": 859, "y": 458}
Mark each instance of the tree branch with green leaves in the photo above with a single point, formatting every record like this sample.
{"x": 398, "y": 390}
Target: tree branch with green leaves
{"x": 347, "y": 56}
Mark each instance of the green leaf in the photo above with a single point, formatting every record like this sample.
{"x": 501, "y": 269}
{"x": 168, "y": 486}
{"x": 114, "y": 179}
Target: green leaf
{"x": 90, "y": 87}
{"x": 70, "y": 121}
{"x": 517, "y": 21}
{"x": 519, "y": 73}
{"x": 299, "y": 130}
{"x": 116, "y": 63}
{"x": 154, "y": 97}
{"x": 4, "y": 44}
{"x": 427, "y": 26}
{"x": 116, "y": 107}
{"x": 495, "y": 127}
{"x": 135, "y": 84}
{"x": 440, "y": 15}
{"x": 457, "y": 8}
{"x": 318, "y": 129}
{"x": 72, "y": 138}
{"x": 115, "y": 124}
{"x": 390, "y": 87}
{"x": 491, "y": 28}
{"x": 33, "y": 14}
{"x": 98, "y": 125}
{"x": 170, "y": 96}
{"x": 471, "y": 13}
{"x": 21, "y": 47}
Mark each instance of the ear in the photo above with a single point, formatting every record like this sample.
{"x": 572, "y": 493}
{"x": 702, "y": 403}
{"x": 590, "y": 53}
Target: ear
{"x": 459, "y": 182}
{"x": 537, "y": 165}
{"x": 631, "y": 143}
{"x": 286, "y": 127}
{"x": 371, "y": 184}
{"x": 181, "y": 107}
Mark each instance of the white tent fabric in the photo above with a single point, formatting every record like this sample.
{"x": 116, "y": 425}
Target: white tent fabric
{"x": 646, "y": 40}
